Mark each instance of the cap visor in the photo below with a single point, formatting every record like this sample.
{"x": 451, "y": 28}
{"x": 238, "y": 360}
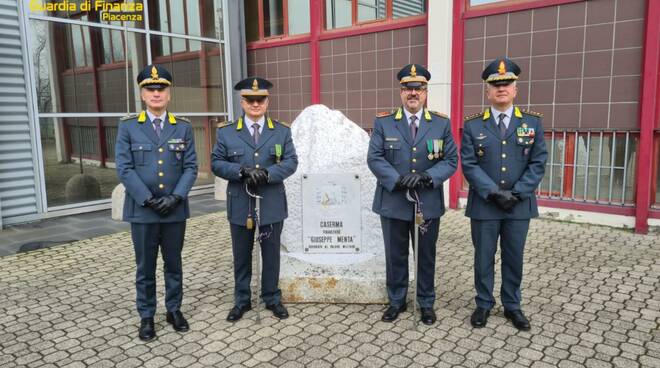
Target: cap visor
{"x": 412, "y": 84}
{"x": 501, "y": 82}
{"x": 155, "y": 86}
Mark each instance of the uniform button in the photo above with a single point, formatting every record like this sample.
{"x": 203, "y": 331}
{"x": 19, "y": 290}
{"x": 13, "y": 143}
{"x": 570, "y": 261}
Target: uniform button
{"x": 257, "y": 166}
{"x": 502, "y": 182}
{"x": 414, "y": 160}
{"x": 503, "y": 142}
{"x": 391, "y": 146}
{"x": 161, "y": 174}
{"x": 503, "y": 168}
{"x": 504, "y": 155}
{"x": 413, "y": 171}
{"x": 160, "y": 149}
{"x": 256, "y": 154}
{"x": 414, "y": 148}
{"x": 160, "y": 162}
{"x": 161, "y": 186}
{"x": 140, "y": 147}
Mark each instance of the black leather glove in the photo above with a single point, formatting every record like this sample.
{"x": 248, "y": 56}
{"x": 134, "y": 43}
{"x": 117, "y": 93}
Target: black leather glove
{"x": 258, "y": 176}
{"x": 425, "y": 181}
{"x": 244, "y": 172}
{"x": 399, "y": 184}
{"x": 411, "y": 181}
{"x": 504, "y": 199}
{"x": 167, "y": 204}
{"x": 152, "y": 202}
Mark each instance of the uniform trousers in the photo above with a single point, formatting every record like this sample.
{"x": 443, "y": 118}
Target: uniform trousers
{"x": 242, "y": 241}
{"x": 397, "y": 234}
{"x": 147, "y": 238}
{"x": 512, "y": 235}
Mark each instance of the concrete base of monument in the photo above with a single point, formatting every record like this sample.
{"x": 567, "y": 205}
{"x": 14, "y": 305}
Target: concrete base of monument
{"x": 329, "y": 278}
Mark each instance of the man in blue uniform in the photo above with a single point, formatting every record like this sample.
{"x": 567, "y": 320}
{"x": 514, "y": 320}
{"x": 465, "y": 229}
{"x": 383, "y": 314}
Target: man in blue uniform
{"x": 256, "y": 153}
{"x": 411, "y": 150}
{"x": 156, "y": 162}
{"x": 503, "y": 158}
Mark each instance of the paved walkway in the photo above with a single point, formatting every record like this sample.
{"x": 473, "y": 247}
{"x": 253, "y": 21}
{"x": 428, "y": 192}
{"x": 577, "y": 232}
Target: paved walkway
{"x": 592, "y": 294}
{"x": 67, "y": 229}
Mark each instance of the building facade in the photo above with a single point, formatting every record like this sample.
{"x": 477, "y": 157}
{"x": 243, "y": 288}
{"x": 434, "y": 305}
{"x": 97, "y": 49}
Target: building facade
{"x": 591, "y": 67}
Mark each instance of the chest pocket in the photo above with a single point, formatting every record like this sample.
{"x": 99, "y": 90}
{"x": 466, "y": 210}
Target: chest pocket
{"x": 393, "y": 152}
{"x": 524, "y": 145}
{"x": 177, "y": 151}
{"x": 141, "y": 153}
{"x": 235, "y": 154}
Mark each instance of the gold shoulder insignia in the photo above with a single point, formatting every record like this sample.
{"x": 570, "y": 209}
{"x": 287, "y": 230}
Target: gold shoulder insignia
{"x": 533, "y": 113}
{"x": 283, "y": 123}
{"x": 384, "y": 114}
{"x": 439, "y": 114}
{"x": 225, "y": 123}
{"x": 470, "y": 117}
{"x": 128, "y": 117}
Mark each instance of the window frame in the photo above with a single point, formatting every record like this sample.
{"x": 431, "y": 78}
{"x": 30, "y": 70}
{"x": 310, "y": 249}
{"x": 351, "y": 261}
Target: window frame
{"x": 508, "y": 6}
{"x": 285, "y": 38}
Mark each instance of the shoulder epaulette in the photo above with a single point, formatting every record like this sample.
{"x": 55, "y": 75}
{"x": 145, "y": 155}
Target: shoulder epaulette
{"x": 128, "y": 117}
{"x": 470, "y": 117}
{"x": 225, "y": 123}
{"x": 384, "y": 114}
{"x": 183, "y": 118}
{"x": 445, "y": 116}
{"x": 533, "y": 113}
{"x": 285, "y": 124}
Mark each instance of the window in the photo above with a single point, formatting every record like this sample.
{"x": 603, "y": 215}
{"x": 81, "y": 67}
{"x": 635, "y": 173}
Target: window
{"x": 346, "y": 13}
{"x": 481, "y": 2}
{"x": 275, "y": 18}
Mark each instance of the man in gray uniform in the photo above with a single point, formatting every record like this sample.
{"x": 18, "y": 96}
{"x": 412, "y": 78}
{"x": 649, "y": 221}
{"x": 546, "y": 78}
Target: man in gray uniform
{"x": 503, "y": 158}
{"x": 255, "y": 153}
{"x": 156, "y": 162}
{"x": 411, "y": 151}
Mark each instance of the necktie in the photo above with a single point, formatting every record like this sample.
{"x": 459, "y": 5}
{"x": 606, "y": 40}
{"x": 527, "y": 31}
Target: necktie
{"x": 255, "y": 132}
{"x": 413, "y": 126}
{"x": 501, "y": 125}
{"x": 156, "y": 123}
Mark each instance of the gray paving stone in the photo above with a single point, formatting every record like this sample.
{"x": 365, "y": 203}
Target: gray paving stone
{"x": 590, "y": 292}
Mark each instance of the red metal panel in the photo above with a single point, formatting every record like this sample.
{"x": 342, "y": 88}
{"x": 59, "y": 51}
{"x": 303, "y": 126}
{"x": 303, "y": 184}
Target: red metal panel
{"x": 508, "y": 7}
{"x": 458, "y": 9}
{"x": 647, "y": 116}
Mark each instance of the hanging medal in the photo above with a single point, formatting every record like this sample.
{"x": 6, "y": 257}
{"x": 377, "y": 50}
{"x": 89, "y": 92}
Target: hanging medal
{"x": 437, "y": 147}
{"x": 429, "y": 147}
{"x": 278, "y": 153}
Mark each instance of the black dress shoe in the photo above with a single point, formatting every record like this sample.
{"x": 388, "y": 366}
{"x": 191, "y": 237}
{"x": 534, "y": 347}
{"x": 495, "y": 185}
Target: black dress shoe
{"x": 147, "y": 331}
{"x": 237, "y": 312}
{"x": 428, "y": 316}
{"x": 177, "y": 321}
{"x": 479, "y": 317}
{"x": 392, "y": 313}
{"x": 518, "y": 319}
{"x": 279, "y": 310}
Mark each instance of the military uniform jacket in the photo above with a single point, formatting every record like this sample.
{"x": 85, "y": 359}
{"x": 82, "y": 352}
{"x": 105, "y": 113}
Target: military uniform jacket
{"x": 393, "y": 153}
{"x": 515, "y": 163}
{"x": 151, "y": 166}
{"x": 235, "y": 148}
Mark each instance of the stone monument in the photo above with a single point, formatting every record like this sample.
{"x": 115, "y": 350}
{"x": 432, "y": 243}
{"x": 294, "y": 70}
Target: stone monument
{"x": 327, "y": 143}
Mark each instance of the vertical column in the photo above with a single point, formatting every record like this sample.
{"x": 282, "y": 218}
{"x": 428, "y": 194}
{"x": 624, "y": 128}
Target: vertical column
{"x": 315, "y": 26}
{"x": 458, "y": 26}
{"x": 647, "y": 115}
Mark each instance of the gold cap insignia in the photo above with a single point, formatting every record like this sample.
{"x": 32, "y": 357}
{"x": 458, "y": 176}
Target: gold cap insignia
{"x": 154, "y": 73}
{"x": 413, "y": 71}
{"x": 255, "y": 85}
{"x": 502, "y": 68}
